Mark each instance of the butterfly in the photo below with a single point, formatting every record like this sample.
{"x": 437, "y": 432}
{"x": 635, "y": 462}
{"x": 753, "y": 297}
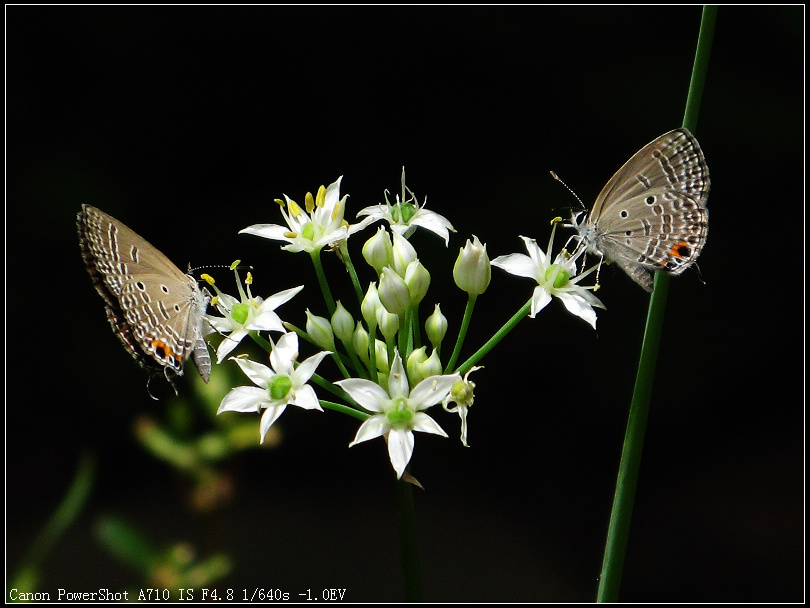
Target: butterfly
{"x": 155, "y": 309}
{"x": 651, "y": 215}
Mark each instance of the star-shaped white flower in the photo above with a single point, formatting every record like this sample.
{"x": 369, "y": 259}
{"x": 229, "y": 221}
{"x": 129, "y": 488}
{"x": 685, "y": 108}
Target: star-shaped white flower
{"x": 405, "y": 215}
{"x": 313, "y": 228}
{"x": 277, "y": 386}
{"x": 248, "y": 313}
{"x": 398, "y": 410}
{"x": 556, "y": 278}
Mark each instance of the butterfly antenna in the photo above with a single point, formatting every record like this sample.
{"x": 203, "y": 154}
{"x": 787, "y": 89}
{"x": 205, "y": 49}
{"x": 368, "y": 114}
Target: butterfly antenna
{"x": 574, "y": 194}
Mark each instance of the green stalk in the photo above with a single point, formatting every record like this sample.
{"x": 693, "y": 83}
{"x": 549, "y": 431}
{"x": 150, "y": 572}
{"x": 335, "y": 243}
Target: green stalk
{"x": 499, "y": 335}
{"x": 406, "y": 520}
{"x": 327, "y": 293}
{"x": 627, "y": 480}
{"x": 462, "y": 333}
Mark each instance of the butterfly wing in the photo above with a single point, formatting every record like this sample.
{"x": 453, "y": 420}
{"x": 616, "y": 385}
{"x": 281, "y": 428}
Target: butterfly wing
{"x": 153, "y": 307}
{"x": 652, "y": 215}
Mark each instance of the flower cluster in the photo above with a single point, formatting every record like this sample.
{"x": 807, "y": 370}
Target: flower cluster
{"x": 389, "y": 379}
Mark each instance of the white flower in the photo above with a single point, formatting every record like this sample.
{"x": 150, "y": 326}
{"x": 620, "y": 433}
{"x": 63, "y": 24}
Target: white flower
{"x": 406, "y": 214}
{"x": 248, "y": 313}
{"x": 463, "y": 395}
{"x": 558, "y": 278}
{"x": 277, "y": 386}
{"x": 398, "y": 410}
{"x": 312, "y": 229}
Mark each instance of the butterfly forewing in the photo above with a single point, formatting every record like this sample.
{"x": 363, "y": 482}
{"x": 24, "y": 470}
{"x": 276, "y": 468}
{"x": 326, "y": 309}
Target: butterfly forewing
{"x": 651, "y": 215}
{"x": 153, "y": 307}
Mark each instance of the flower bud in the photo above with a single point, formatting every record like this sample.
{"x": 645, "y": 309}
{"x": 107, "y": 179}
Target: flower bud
{"x": 342, "y": 323}
{"x": 371, "y": 302}
{"x": 320, "y": 330}
{"x": 394, "y": 293}
{"x": 388, "y": 323}
{"x": 420, "y": 366}
{"x": 417, "y": 278}
{"x": 404, "y": 254}
{"x": 436, "y": 327}
{"x": 360, "y": 342}
{"x": 472, "y": 271}
{"x": 378, "y": 251}
{"x": 381, "y": 352}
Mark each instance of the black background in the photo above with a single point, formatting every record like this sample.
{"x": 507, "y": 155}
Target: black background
{"x": 185, "y": 123}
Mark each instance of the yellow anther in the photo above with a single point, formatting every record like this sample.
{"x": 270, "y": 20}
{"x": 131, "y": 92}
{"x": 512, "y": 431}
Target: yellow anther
{"x": 295, "y": 210}
{"x": 309, "y": 202}
{"x": 321, "y": 199}
{"x": 249, "y": 279}
{"x": 235, "y": 264}
{"x": 207, "y": 278}
{"x": 291, "y": 235}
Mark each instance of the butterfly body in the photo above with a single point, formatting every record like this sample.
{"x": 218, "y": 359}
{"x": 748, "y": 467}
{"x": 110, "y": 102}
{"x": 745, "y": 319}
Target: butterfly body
{"x": 651, "y": 215}
{"x": 155, "y": 309}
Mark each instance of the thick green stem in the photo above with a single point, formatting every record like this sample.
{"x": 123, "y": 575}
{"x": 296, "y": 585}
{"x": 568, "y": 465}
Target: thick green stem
{"x": 406, "y": 519}
{"x": 627, "y": 480}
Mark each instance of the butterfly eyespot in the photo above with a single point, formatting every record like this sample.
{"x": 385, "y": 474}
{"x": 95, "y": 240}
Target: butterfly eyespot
{"x": 140, "y": 286}
{"x": 650, "y": 200}
{"x": 623, "y": 213}
{"x": 164, "y": 289}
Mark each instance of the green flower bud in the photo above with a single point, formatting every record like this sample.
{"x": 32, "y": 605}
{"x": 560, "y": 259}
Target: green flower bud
{"x": 378, "y": 251}
{"x": 472, "y": 270}
{"x": 342, "y": 323}
{"x": 320, "y": 330}
{"x": 436, "y": 327}
{"x": 394, "y": 293}
{"x": 417, "y": 278}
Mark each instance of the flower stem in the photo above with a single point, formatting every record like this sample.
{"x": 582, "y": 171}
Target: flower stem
{"x": 499, "y": 335}
{"x": 347, "y": 261}
{"x": 406, "y": 520}
{"x": 327, "y": 293}
{"x": 344, "y": 409}
{"x": 626, "y": 482}
{"x": 462, "y": 333}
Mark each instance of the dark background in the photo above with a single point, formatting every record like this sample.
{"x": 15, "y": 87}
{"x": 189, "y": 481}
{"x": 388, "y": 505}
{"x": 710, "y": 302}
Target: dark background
{"x": 185, "y": 123}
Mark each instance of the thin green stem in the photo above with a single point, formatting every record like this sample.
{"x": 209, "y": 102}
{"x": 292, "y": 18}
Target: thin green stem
{"x": 462, "y": 333}
{"x": 327, "y": 293}
{"x": 344, "y": 409}
{"x": 627, "y": 480}
{"x": 347, "y": 261}
{"x": 499, "y": 335}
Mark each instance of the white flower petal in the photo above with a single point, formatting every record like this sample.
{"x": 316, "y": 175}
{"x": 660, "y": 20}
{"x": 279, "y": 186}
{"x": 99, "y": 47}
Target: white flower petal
{"x": 304, "y": 372}
{"x": 426, "y": 424}
{"x": 434, "y": 222}
{"x": 229, "y": 343}
{"x": 400, "y": 449}
{"x": 270, "y": 415}
{"x": 540, "y": 299}
{"x": 306, "y": 398}
{"x": 284, "y": 353}
{"x": 518, "y": 264}
{"x": 259, "y": 374}
{"x": 366, "y": 393}
{"x": 578, "y": 306}
{"x": 268, "y": 231}
{"x": 371, "y": 429}
{"x": 431, "y": 391}
{"x": 398, "y": 380}
{"x": 243, "y": 399}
